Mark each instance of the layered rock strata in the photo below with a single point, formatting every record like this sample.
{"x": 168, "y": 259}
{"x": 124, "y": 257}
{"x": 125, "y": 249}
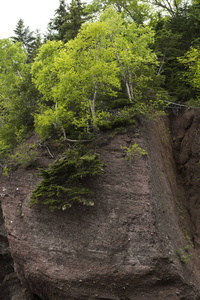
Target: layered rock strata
{"x": 128, "y": 246}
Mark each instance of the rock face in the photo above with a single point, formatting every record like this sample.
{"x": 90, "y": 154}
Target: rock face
{"x": 10, "y": 286}
{"x": 135, "y": 242}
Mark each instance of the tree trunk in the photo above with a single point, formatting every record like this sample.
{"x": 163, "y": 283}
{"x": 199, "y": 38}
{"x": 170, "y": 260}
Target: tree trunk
{"x": 92, "y": 107}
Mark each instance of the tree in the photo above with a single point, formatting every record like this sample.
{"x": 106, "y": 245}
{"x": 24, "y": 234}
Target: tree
{"x": 11, "y": 62}
{"x": 55, "y": 25}
{"x": 172, "y": 7}
{"x": 81, "y": 75}
{"x": 37, "y": 44}
{"x": 63, "y": 183}
{"x": 44, "y": 69}
{"x": 67, "y": 22}
{"x": 131, "y": 47}
{"x": 138, "y": 11}
{"x": 12, "y": 59}
{"x": 25, "y": 36}
{"x": 175, "y": 34}
{"x": 191, "y": 61}
{"x": 75, "y": 17}
{"x": 18, "y": 96}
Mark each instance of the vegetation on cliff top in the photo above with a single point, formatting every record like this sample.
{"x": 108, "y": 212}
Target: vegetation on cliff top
{"x": 98, "y": 66}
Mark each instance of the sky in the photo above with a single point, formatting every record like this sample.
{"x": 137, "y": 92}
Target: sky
{"x": 35, "y": 13}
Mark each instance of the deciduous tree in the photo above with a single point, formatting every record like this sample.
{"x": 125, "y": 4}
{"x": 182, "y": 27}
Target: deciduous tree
{"x": 79, "y": 76}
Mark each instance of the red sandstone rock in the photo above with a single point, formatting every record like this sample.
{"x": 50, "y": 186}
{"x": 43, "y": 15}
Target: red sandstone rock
{"x": 125, "y": 247}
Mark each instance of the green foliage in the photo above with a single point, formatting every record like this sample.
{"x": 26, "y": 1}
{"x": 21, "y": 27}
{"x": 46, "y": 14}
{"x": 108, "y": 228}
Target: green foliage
{"x": 11, "y": 65}
{"x": 171, "y": 7}
{"x": 12, "y": 58}
{"x": 135, "y": 150}
{"x": 25, "y": 155}
{"x": 189, "y": 242}
{"x": 63, "y": 184}
{"x": 165, "y": 134}
{"x": 5, "y": 150}
{"x": 138, "y": 12}
{"x": 67, "y": 21}
{"x": 80, "y": 79}
{"x": 6, "y": 171}
{"x": 18, "y": 96}
{"x": 191, "y": 61}
{"x": 115, "y": 119}
{"x": 29, "y": 40}
{"x": 184, "y": 257}
{"x": 44, "y": 70}
{"x": 175, "y": 34}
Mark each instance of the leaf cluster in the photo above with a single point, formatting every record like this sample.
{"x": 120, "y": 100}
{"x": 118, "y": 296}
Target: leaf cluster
{"x": 135, "y": 150}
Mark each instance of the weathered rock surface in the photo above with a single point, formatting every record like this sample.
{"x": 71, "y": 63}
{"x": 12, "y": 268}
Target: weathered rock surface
{"x": 10, "y": 286}
{"x": 125, "y": 247}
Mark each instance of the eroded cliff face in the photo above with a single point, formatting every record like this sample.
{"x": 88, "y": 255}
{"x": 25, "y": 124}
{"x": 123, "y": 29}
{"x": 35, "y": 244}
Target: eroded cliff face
{"x": 10, "y": 285}
{"x": 125, "y": 247}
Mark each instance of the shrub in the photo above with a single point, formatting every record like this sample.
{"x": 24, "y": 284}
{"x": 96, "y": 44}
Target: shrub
{"x": 135, "y": 150}
{"x": 63, "y": 183}
{"x": 26, "y": 155}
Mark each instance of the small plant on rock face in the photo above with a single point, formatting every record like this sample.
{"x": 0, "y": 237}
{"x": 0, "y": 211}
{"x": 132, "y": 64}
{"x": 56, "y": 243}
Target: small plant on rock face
{"x": 189, "y": 241}
{"x": 63, "y": 183}
{"x": 20, "y": 214}
{"x": 26, "y": 155}
{"x": 165, "y": 134}
{"x": 182, "y": 256}
{"x": 135, "y": 150}
{"x": 5, "y": 171}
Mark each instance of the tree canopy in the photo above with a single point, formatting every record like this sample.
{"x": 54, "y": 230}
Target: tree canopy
{"x": 81, "y": 77}
{"x": 70, "y": 83}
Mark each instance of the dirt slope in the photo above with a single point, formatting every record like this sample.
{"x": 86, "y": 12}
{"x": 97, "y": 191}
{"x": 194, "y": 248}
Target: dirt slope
{"x": 125, "y": 247}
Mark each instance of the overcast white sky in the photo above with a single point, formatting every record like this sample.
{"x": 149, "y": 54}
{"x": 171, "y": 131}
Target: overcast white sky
{"x": 35, "y": 13}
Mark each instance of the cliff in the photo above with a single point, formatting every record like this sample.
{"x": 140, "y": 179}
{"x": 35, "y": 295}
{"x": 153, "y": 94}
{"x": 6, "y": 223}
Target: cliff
{"x": 140, "y": 240}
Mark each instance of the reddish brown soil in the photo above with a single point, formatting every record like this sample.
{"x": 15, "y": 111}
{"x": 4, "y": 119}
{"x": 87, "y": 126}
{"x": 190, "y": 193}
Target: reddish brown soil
{"x": 125, "y": 247}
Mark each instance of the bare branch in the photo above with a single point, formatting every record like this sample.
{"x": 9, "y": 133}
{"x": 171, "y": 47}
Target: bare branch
{"x": 176, "y": 5}
{"x": 49, "y": 152}
{"x": 167, "y": 6}
{"x": 77, "y": 141}
{"x": 73, "y": 141}
{"x": 163, "y": 61}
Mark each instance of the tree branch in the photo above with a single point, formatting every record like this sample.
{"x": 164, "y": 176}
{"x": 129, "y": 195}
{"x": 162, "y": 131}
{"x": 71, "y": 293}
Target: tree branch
{"x": 73, "y": 141}
{"x": 161, "y": 66}
{"x": 163, "y": 5}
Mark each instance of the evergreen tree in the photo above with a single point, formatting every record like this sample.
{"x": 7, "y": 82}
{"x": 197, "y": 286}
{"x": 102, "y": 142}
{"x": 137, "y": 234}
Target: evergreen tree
{"x": 57, "y": 23}
{"x": 67, "y": 21}
{"x": 74, "y": 19}
{"x": 175, "y": 34}
{"x": 36, "y": 45}
{"x": 25, "y": 36}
